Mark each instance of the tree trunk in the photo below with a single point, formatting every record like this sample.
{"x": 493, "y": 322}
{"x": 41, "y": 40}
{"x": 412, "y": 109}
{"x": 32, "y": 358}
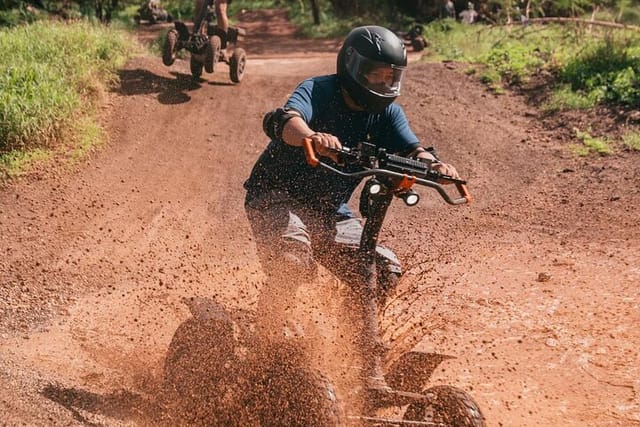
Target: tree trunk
{"x": 315, "y": 10}
{"x": 98, "y": 9}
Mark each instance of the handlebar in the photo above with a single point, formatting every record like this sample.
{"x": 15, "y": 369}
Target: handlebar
{"x": 377, "y": 162}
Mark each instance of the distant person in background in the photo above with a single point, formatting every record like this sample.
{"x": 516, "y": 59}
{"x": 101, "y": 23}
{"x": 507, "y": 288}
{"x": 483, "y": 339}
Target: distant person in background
{"x": 469, "y": 15}
{"x": 449, "y": 9}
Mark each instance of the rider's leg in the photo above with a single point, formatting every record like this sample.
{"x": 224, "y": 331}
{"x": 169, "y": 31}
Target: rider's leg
{"x": 221, "y": 15}
{"x": 389, "y": 269}
{"x": 286, "y": 257}
{"x": 389, "y": 273}
{"x": 222, "y": 20}
{"x": 199, "y": 6}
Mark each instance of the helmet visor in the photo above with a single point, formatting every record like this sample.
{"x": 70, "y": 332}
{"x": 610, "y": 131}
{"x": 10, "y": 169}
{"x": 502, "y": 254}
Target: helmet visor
{"x": 378, "y": 77}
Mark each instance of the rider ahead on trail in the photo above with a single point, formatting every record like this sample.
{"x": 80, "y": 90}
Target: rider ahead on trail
{"x": 298, "y": 213}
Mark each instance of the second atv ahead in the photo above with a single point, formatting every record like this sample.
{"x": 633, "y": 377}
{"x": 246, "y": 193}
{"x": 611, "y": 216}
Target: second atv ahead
{"x": 151, "y": 12}
{"x": 207, "y": 44}
{"x": 415, "y": 38}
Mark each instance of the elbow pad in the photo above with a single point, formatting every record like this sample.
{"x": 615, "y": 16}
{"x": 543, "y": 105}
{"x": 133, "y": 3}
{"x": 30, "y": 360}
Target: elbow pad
{"x": 274, "y": 121}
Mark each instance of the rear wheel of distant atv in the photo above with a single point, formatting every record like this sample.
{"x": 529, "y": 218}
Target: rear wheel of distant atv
{"x": 212, "y": 53}
{"x": 447, "y": 406}
{"x": 418, "y": 44}
{"x": 237, "y": 64}
{"x": 170, "y": 48}
{"x": 196, "y": 68}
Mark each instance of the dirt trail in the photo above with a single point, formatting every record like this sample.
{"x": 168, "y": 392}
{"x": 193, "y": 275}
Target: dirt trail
{"x": 533, "y": 288}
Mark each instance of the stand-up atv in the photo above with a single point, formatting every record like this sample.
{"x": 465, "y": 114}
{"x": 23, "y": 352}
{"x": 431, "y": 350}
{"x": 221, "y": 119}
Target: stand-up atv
{"x": 218, "y": 369}
{"x": 151, "y": 12}
{"x": 394, "y": 176}
{"x": 207, "y": 44}
{"x": 414, "y": 37}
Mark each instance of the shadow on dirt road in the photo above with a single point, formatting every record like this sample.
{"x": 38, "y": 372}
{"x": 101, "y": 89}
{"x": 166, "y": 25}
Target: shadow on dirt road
{"x": 123, "y": 405}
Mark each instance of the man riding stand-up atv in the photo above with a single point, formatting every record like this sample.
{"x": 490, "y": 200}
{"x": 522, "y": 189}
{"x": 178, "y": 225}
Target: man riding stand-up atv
{"x": 298, "y": 213}
{"x": 208, "y": 43}
{"x": 222, "y": 18}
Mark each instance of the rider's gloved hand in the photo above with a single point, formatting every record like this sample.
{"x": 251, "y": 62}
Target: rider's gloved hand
{"x": 445, "y": 169}
{"x": 326, "y": 145}
{"x": 438, "y": 166}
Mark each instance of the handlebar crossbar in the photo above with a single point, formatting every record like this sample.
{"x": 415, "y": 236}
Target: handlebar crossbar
{"x": 376, "y": 162}
{"x": 391, "y": 174}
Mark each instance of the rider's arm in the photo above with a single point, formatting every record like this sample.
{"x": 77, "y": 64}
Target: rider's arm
{"x": 296, "y": 130}
{"x": 427, "y": 156}
{"x": 422, "y": 153}
{"x": 289, "y": 127}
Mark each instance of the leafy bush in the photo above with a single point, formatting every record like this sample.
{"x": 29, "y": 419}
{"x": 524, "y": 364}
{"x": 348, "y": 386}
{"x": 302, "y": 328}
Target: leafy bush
{"x": 515, "y": 63}
{"x": 608, "y": 71}
{"x": 591, "y": 69}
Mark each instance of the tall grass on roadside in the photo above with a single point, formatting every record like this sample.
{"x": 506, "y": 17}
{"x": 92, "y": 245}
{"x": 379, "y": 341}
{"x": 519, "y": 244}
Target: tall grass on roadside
{"x": 512, "y": 53}
{"x": 631, "y": 140}
{"x": 594, "y": 66}
{"x": 50, "y": 75}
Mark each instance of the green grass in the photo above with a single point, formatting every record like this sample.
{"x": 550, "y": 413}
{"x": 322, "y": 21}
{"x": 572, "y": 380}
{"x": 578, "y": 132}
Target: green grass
{"x": 51, "y": 77}
{"x": 564, "y": 98}
{"x": 515, "y": 53}
{"x": 632, "y": 140}
{"x": 15, "y": 162}
{"x": 591, "y": 144}
{"x": 593, "y": 67}
{"x": 87, "y": 135}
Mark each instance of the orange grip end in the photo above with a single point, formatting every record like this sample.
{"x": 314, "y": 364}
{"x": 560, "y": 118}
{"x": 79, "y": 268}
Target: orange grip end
{"x": 309, "y": 152}
{"x": 464, "y": 192}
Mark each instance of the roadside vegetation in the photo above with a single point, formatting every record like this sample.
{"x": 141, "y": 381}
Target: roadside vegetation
{"x": 575, "y": 66}
{"x": 50, "y": 86}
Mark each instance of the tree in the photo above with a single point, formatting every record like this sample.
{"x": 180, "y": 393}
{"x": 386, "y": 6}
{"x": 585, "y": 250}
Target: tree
{"x": 315, "y": 10}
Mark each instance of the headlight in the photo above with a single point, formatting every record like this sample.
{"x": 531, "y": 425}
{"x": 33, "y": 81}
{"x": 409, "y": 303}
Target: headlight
{"x": 375, "y": 188}
{"x": 411, "y": 198}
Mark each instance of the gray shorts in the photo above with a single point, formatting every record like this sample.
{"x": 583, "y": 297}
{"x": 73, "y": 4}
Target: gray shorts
{"x": 281, "y": 225}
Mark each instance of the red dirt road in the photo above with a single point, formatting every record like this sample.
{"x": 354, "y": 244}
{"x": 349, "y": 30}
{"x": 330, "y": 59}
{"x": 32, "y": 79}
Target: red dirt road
{"x": 533, "y": 288}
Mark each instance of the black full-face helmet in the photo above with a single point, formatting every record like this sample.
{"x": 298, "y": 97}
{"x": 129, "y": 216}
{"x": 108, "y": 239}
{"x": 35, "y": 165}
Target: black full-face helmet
{"x": 371, "y": 64}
